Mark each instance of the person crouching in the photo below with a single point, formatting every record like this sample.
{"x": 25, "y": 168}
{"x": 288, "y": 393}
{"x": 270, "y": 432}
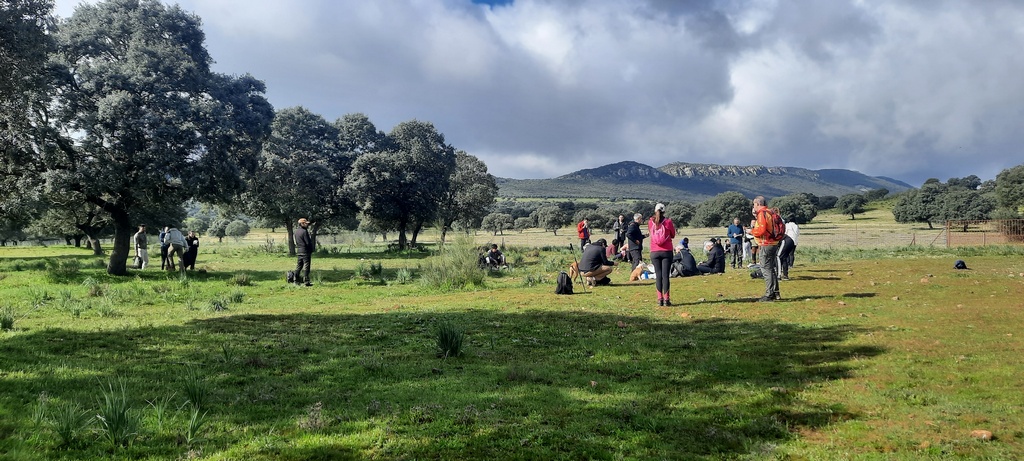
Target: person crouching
{"x": 594, "y": 264}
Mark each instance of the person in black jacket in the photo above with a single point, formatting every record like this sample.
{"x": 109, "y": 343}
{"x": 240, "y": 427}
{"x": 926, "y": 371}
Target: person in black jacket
{"x": 683, "y": 264}
{"x": 304, "y": 250}
{"x": 193, "y": 250}
{"x": 716, "y": 258}
{"x": 635, "y": 240}
{"x": 594, "y": 263}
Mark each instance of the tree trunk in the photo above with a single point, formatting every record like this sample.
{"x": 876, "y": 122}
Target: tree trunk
{"x": 78, "y": 241}
{"x": 313, "y": 230}
{"x": 415, "y": 233}
{"x": 401, "y": 235}
{"x": 67, "y": 240}
{"x": 929, "y": 224}
{"x": 122, "y": 244}
{"x": 290, "y": 238}
{"x": 93, "y": 243}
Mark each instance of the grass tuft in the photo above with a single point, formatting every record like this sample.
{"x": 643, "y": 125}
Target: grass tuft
{"x": 68, "y": 420}
{"x": 449, "y": 340}
{"x": 242, "y": 279}
{"x": 7, "y": 317}
{"x": 119, "y": 424}
{"x": 195, "y": 388}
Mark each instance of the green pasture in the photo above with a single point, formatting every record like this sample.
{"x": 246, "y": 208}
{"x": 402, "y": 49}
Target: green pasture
{"x": 873, "y": 354}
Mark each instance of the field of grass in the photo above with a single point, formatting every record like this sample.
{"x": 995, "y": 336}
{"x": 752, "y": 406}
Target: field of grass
{"x": 883, "y": 353}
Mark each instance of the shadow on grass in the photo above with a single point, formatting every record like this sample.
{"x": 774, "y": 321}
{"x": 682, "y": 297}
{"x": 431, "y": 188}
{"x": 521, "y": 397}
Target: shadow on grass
{"x": 536, "y": 385}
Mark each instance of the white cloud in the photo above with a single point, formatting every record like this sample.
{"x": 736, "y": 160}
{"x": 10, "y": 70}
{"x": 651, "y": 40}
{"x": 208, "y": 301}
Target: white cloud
{"x": 538, "y": 88}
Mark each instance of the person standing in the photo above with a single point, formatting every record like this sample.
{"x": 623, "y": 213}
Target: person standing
{"x": 635, "y": 240}
{"x": 768, "y": 247}
{"x": 141, "y": 247}
{"x": 193, "y": 250}
{"x": 163, "y": 248}
{"x": 583, "y": 229}
{"x": 786, "y": 261}
{"x": 175, "y": 246}
{"x": 304, "y": 250}
{"x": 620, "y": 229}
{"x": 662, "y": 232}
{"x": 735, "y": 232}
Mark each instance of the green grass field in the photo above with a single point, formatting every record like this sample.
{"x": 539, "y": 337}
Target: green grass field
{"x": 884, "y": 353}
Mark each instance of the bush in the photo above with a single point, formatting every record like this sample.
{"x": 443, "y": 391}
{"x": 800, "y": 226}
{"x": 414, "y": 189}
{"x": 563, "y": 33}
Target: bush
{"x": 455, "y": 267}
{"x": 62, "y": 270}
{"x": 241, "y": 279}
{"x": 237, "y": 229}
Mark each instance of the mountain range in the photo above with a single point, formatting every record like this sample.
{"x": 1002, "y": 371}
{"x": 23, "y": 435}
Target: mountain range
{"x": 695, "y": 182}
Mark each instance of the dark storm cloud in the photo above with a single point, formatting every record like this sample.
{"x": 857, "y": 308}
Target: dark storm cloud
{"x": 538, "y": 88}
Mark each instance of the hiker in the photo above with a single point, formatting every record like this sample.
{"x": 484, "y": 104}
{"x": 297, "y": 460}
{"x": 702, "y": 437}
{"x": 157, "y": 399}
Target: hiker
{"x": 768, "y": 247}
{"x": 176, "y": 245}
{"x": 635, "y": 240}
{"x": 683, "y": 264}
{"x": 193, "y": 250}
{"x": 735, "y": 232}
{"x": 715, "y": 263}
{"x": 620, "y": 229}
{"x": 594, "y": 265}
{"x": 662, "y": 232}
{"x": 583, "y": 229}
{"x": 141, "y": 244}
{"x": 786, "y": 261}
{"x": 304, "y": 252}
{"x": 164, "y": 247}
{"x": 494, "y": 257}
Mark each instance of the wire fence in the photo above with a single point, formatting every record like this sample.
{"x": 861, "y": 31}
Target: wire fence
{"x": 984, "y": 232}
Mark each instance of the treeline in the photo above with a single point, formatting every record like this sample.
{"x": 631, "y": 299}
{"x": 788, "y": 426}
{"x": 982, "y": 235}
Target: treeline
{"x": 967, "y": 198}
{"x": 113, "y": 118}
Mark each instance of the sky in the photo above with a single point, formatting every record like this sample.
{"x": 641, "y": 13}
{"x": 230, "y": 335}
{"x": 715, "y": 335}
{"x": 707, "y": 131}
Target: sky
{"x": 909, "y": 89}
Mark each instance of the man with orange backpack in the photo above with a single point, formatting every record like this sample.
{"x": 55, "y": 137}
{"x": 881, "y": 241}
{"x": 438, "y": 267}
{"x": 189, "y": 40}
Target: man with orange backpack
{"x": 768, "y": 231}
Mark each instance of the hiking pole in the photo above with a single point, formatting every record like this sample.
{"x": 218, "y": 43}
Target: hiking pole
{"x": 578, "y": 270}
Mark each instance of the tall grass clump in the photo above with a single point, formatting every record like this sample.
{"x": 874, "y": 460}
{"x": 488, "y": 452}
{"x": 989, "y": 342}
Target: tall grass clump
{"x": 195, "y": 388}
{"x": 7, "y": 317}
{"x": 449, "y": 340}
{"x": 403, "y": 275}
{"x": 68, "y": 420}
{"x": 372, "y": 270}
{"x": 455, "y": 267}
{"x": 242, "y": 279}
{"x": 119, "y": 424}
{"x": 62, "y": 269}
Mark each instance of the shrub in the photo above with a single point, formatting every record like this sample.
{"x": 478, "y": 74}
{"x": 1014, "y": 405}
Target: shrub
{"x": 241, "y": 279}
{"x": 237, "y": 296}
{"x": 373, "y": 270}
{"x": 403, "y": 275}
{"x": 449, "y": 340}
{"x": 62, "y": 270}
{"x": 218, "y": 304}
{"x": 455, "y": 267}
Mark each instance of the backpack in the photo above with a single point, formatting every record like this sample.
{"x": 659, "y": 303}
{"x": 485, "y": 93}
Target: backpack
{"x": 960, "y": 264}
{"x": 289, "y": 276}
{"x": 775, "y": 227}
{"x": 564, "y": 284}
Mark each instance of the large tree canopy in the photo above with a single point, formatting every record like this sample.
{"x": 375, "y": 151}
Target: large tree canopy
{"x": 471, "y": 192}
{"x": 1010, "y": 187}
{"x": 400, "y": 188}
{"x": 301, "y": 172}
{"x": 796, "y": 207}
{"x": 721, "y": 209}
{"x": 135, "y": 119}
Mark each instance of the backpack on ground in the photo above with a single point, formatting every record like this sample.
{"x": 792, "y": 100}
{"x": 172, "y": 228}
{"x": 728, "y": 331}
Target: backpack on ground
{"x": 564, "y": 284}
{"x": 960, "y": 265}
{"x": 289, "y": 276}
{"x": 775, "y": 227}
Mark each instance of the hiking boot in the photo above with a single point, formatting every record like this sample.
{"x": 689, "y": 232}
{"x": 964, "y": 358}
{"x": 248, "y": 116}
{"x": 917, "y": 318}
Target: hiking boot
{"x": 777, "y": 297}
{"x": 661, "y": 302}
{"x": 668, "y": 303}
{"x": 766, "y": 299}
{"x": 605, "y": 281}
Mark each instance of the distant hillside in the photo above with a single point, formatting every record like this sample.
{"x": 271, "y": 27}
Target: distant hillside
{"x": 694, "y": 182}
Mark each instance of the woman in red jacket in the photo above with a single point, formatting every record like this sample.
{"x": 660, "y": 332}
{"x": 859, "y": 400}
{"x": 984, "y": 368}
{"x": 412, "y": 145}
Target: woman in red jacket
{"x": 662, "y": 231}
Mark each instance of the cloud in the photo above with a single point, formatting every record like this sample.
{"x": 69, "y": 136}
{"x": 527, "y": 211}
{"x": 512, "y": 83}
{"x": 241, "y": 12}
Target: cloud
{"x": 538, "y": 88}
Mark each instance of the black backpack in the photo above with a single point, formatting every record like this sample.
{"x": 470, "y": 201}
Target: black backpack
{"x": 564, "y": 284}
{"x": 960, "y": 264}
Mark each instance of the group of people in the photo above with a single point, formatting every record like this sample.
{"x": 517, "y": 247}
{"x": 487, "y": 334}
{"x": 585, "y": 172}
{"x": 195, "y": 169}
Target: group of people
{"x": 776, "y": 252}
{"x": 172, "y": 242}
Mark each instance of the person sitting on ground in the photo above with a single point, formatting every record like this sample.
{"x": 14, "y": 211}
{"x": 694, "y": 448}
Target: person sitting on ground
{"x": 716, "y": 258}
{"x": 494, "y": 257}
{"x": 612, "y": 252}
{"x": 683, "y": 264}
{"x": 594, "y": 265}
